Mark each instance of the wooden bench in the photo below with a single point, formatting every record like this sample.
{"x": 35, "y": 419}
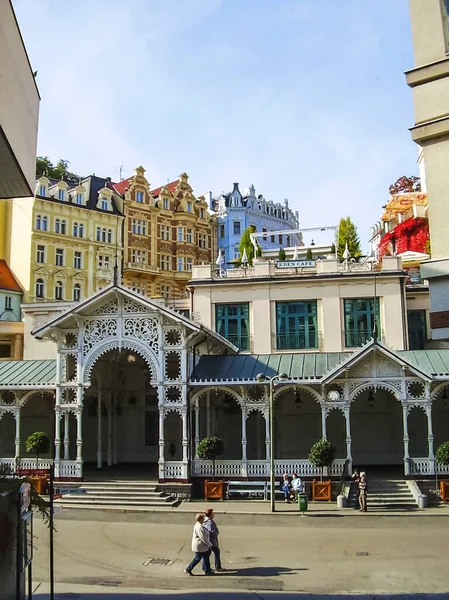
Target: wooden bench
{"x": 256, "y": 489}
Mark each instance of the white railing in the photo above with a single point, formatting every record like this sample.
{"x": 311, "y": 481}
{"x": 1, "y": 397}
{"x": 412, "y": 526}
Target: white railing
{"x": 70, "y": 468}
{"x": 261, "y": 468}
{"x": 30, "y": 463}
{"x": 174, "y": 470}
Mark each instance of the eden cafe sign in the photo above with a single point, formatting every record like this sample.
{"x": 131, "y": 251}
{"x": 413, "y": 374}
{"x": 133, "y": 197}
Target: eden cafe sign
{"x": 295, "y": 264}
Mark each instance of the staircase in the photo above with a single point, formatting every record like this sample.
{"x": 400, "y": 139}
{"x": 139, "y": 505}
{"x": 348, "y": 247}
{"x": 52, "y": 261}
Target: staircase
{"x": 113, "y": 495}
{"x": 385, "y": 494}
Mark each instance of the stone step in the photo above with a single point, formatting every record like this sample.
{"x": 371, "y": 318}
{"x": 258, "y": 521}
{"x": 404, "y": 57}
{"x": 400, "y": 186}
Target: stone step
{"x": 122, "y": 493}
{"x": 82, "y": 501}
{"x": 116, "y": 497}
{"x": 116, "y": 508}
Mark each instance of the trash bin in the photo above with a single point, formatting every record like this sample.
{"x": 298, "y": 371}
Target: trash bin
{"x": 302, "y": 502}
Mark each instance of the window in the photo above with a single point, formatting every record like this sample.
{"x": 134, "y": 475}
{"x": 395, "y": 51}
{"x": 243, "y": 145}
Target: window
{"x": 104, "y": 204}
{"x": 281, "y": 239}
{"x": 189, "y": 236}
{"x": 8, "y": 303}
{"x": 139, "y": 257}
{"x": 59, "y": 257}
{"x": 41, "y": 223}
{"x": 63, "y": 227}
{"x": 296, "y": 325}
{"x": 165, "y": 263}
{"x": 42, "y": 190}
{"x": 109, "y": 236}
{"x": 272, "y": 236}
{"x": 139, "y": 197}
{"x": 359, "y": 320}
{"x": 79, "y": 198}
{"x": 77, "y": 260}
{"x": 57, "y": 226}
{"x": 189, "y": 207}
{"x": 202, "y": 213}
{"x": 189, "y": 263}
{"x": 264, "y": 231}
{"x": 59, "y": 290}
{"x": 165, "y": 233}
{"x": 103, "y": 261}
{"x": 236, "y": 252}
{"x": 166, "y": 204}
{"x": 180, "y": 263}
{"x": 222, "y": 230}
{"x": 417, "y": 329}
{"x": 139, "y": 227}
{"x": 236, "y": 227}
{"x": 180, "y": 234}
{"x": 60, "y": 194}
{"x": 5, "y": 350}
{"x": 232, "y": 322}
{"x": 165, "y": 291}
{"x": 77, "y": 292}
{"x": 202, "y": 240}
{"x": 98, "y": 234}
{"x": 39, "y": 288}
{"x": 40, "y": 254}
{"x": 81, "y": 230}
{"x": 75, "y": 229}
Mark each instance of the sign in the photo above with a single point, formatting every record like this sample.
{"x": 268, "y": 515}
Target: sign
{"x": 295, "y": 264}
{"x": 34, "y": 472}
{"x": 61, "y": 491}
{"x": 25, "y": 497}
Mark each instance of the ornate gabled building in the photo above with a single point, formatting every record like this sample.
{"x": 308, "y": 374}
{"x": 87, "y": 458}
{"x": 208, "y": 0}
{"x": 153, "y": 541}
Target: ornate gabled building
{"x": 166, "y": 232}
{"x": 66, "y": 241}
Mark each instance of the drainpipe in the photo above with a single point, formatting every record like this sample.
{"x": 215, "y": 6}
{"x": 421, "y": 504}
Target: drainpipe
{"x": 404, "y": 316}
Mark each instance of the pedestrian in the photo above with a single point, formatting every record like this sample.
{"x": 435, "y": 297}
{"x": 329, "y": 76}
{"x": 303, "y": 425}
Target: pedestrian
{"x": 212, "y": 528}
{"x": 201, "y": 546}
{"x": 355, "y": 476}
{"x": 286, "y": 487}
{"x": 363, "y": 491}
{"x": 297, "y": 485}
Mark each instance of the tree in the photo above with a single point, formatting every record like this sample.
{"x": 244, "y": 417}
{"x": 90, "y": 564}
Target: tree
{"x": 347, "y": 234}
{"x": 44, "y": 166}
{"x": 442, "y": 454}
{"x": 37, "y": 443}
{"x": 309, "y": 255}
{"x": 282, "y": 255}
{"x": 209, "y": 449}
{"x": 405, "y": 184}
{"x": 322, "y": 454}
{"x": 246, "y": 244}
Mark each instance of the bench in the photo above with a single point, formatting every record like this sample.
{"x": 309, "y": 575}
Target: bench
{"x": 257, "y": 489}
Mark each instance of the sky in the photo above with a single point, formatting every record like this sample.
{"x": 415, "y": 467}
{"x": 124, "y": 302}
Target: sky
{"x": 306, "y": 99}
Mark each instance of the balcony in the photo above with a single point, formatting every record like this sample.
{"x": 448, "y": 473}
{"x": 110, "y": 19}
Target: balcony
{"x": 297, "y": 341}
{"x": 243, "y": 342}
{"x": 139, "y": 266}
{"x": 354, "y": 339}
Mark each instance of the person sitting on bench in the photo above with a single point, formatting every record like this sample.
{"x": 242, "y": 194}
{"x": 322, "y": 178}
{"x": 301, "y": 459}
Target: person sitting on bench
{"x": 297, "y": 485}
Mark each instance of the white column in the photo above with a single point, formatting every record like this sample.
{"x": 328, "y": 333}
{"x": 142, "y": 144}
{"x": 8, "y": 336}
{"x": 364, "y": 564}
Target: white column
{"x": 57, "y": 435}
{"x": 244, "y": 442}
{"x": 67, "y": 436}
{"x": 266, "y": 414}
{"x": 197, "y": 427}
{"x": 323, "y": 421}
{"x": 17, "y": 439}
{"x": 185, "y": 441}
{"x": 430, "y": 438}
{"x": 110, "y": 431}
{"x": 79, "y": 434}
{"x": 405, "y": 438}
{"x": 99, "y": 431}
{"x": 348, "y": 435}
{"x": 161, "y": 444}
{"x": 208, "y": 415}
{"x": 114, "y": 432}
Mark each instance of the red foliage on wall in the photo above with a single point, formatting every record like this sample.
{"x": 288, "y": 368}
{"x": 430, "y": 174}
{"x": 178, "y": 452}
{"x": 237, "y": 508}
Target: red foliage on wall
{"x": 412, "y": 235}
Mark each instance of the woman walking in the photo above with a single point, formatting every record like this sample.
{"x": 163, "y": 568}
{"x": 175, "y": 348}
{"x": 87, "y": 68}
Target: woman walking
{"x": 201, "y": 546}
{"x": 363, "y": 491}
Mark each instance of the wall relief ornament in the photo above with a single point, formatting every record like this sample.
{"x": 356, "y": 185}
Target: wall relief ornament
{"x": 97, "y": 330}
{"x": 144, "y": 329}
{"x": 110, "y": 308}
{"x": 416, "y": 389}
{"x": 385, "y": 367}
{"x": 148, "y": 357}
{"x": 133, "y": 307}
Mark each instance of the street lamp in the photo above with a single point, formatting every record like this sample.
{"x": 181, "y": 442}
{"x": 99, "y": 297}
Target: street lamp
{"x": 261, "y": 378}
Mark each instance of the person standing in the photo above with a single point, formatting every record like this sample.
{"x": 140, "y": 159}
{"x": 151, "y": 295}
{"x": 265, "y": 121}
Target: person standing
{"x": 201, "y": 546}
{"x": 212, "y": 528}
{"x": 363, "y": 491}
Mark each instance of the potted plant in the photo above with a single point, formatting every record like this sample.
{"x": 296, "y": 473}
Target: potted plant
{"x": 322, "y": 454}
{"x": 210, "y": 448}
{"x": 442, "y": 458}
{"x": 38, "y": 443}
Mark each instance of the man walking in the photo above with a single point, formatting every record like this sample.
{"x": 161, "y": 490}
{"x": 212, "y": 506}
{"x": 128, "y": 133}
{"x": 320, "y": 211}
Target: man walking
{"x": 212, "y": 528}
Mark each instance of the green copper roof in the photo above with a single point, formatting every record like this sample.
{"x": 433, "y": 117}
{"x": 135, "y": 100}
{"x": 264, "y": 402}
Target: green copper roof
{"x": 434, "y": 362}
{"x": 246, "y": 367}
{"x": 17, "y": 373}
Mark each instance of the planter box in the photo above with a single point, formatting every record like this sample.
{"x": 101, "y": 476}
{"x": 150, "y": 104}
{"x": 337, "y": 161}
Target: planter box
{"x": 322, "y": 490}
{"x": 213, "y": 490}
{"x": 444, "y": 490}
{"x": 40, "y": 484}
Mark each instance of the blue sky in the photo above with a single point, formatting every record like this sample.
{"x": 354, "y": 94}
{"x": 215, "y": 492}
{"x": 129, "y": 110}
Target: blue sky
{"x": 306, "y": 99}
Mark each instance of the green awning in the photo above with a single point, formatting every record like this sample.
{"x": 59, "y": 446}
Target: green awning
{"x": 27, "y": 373}
{"x": 434, "y": 362}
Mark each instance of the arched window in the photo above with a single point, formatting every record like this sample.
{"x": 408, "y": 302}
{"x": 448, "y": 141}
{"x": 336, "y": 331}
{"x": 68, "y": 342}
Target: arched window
{"x": 110, "y": 236}
{"x": 38, "y": 222}
{"x": 59, "y": 288}
{"x": 77, "y": 292}
{"x": 57, "y": 226}
{"x": 81, "y": 230}
{"x": 104, "y": 204}
{"x": 75, "y": 229}
{"x": 63, "y": 227}
{"x": 39, "y": 288}
{"x": 103, "y": 234}
{"x": 44, "y": 223}
{"x": 98, "y": 234}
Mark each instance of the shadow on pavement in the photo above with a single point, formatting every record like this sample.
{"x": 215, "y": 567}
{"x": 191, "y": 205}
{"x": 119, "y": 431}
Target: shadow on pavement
{"x": 259, "y": 571}
{"x": 233, "y": 595}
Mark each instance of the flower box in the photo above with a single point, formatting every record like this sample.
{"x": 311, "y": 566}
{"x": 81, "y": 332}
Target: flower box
{"x": 322, "y": 490}
{"x": 213, "y": 490}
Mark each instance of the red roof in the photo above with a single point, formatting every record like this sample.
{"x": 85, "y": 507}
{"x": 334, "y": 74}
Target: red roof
{"x": 7, "y": 279}
{"x": 170, "y": 186}
{"x": 121, "y": 187}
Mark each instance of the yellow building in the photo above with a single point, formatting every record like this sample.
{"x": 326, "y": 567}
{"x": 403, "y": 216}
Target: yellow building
{"x": 66, "y": 241}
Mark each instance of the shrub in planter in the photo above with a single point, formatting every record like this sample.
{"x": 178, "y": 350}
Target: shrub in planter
{"x": 210, "y": 448}
{"x": 37, "y": 443}
{"x": 442, "y": 454}
{"x": 322, "y": 454}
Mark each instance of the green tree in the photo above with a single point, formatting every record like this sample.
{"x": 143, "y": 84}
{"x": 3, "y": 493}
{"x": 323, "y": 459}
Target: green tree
{"x": 309, "y": 255}
{"x": 37, "y": 443}
{"x": 405, "y": 184}
{"x": 442, "y": 454}
{"x": 322, "y": 454}
{"x": 282, "y": 255}
{"x": 347, "y": 234}
{"x": 246, "y": 244}
{"x": 210, "y": 448}
{"x": 44, "y": 166}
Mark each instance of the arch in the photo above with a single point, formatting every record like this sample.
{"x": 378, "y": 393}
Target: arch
{"x": 143, "y": 351}
{"x": 221, "y": 388}
{"x": 382, "y": 385}
{"x": 439, "y": 389}
{"x": 31, "y": 393}
{"x": 316, "y": 395}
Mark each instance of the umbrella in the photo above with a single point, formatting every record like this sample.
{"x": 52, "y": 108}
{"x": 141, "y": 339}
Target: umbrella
{"x": 295, "y": 253}
{"x": 244, "y": 259}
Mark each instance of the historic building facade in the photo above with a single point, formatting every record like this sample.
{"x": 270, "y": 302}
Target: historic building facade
{"x": 166, "y": 232}
{"x": 66, "y": 241}
{"x": 236, "y": 212}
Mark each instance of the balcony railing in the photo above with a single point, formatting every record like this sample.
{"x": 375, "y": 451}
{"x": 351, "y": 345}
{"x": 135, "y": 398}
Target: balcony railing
{"x": 297, "y": 341}
{"x": 353, "y": 339}
{"x": 243, "y": 342}
{"x": 143, "y": 267}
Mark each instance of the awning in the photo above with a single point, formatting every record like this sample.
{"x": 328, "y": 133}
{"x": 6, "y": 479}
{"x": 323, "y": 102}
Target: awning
{"x": 27, "y": 373}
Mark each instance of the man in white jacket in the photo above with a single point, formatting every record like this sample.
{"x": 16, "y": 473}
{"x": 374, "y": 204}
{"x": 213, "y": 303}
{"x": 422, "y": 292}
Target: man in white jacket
{"x": 201, "y": 546}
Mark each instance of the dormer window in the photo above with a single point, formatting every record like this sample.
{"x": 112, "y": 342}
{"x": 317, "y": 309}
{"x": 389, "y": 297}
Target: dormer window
{"x": 139, "y": 197}
{"x": 201, "y": 213}
{"x": 189, "y": 207}
{"x": 165, "y": 204}
{"x": 104, "y": 204}
{"x": 79, "y": 198}
{"x": 42, "y": 190}
{"x": 60, "y": 194}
